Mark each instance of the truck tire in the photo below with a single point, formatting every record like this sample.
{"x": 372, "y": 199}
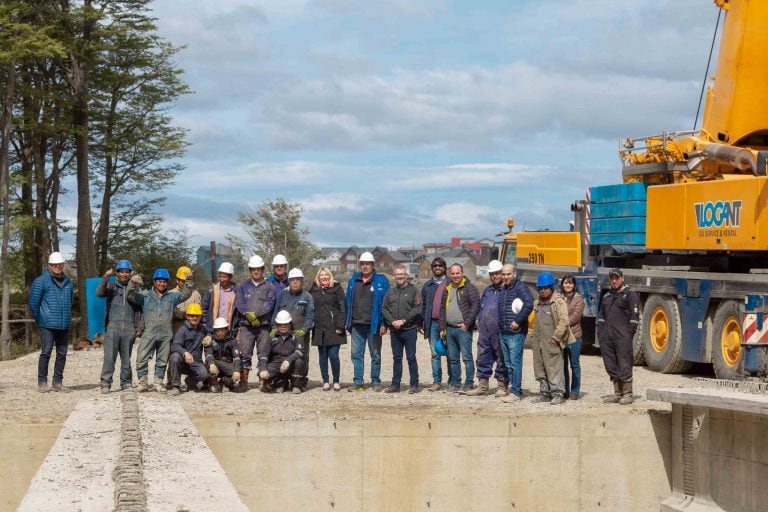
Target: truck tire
{"x": 727, "y": 352}
{"x": 662, "y": 335}
{"x": 638, "y": 354}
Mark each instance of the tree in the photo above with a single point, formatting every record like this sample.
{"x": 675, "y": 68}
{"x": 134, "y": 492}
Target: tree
{"x": 274, "y": 227}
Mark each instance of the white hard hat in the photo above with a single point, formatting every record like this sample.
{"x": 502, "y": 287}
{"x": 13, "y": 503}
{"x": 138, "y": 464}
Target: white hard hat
{"x": 495, "y": 266}
{"x": 279, "y": 259}
{"x": 283, "y": 317}
{"x": 55, "y": 258}
{"x": 295, "y": 273}
{"x": 227, "y": 268}
{"x": 220, "y": 323}
{"x": 256, "y": 262}
{"x": 367, "y": 256}
{"x": 517, "y": 306}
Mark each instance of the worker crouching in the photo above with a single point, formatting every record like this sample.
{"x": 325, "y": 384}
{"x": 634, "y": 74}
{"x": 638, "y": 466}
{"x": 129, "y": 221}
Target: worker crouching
{"x": 187, "y": 352}
{"x": 282, "y": 368}
{"x": 222, "y": 357}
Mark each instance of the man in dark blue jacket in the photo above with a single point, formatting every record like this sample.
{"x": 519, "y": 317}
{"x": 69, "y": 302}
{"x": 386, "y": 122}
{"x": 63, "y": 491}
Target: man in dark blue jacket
{"x": 365, "y": 320}
{"x": 187, "y": 351}
{"x": 50, "y": 301}
{"x": 515, "y": 304}
{"x": 431, "y": 294}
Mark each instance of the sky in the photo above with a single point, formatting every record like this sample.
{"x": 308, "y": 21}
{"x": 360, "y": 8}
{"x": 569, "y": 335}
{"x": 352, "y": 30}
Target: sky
{"x": 400, "y": 122}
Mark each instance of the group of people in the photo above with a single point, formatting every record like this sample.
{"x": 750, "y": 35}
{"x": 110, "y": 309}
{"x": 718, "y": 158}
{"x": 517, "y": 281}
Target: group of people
{"x": 212, "y": 339}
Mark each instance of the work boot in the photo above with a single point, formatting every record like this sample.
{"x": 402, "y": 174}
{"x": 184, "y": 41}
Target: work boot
{"x": 480, "y": 390}
{"x": 392, "y": 389}
{"x": 557, "y": 400}
{"x": 511, "y": 398}
{"x": 616, "y": 397}
{"x": 435, "y": 387}
{"x": 502, "y": 389}
{"x": 243, "y": 387}
{"x": 143, "y": 385}
{"x": 174, "y": 391}
{"x": 626, "y": 393}
{"x": 43, "y": 388}
{"x": 213, "y": 385}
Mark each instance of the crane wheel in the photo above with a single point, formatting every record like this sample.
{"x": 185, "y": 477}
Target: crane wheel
{"x": 727, "y": 352}
{"x": 662, "y": 335}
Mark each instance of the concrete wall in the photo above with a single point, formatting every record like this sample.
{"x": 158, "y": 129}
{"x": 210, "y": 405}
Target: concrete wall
{"x": 22, "y": 450}
{"x": 566, "y": 463}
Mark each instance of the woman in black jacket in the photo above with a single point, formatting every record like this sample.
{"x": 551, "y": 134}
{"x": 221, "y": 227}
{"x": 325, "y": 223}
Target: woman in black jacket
{"x": 328, "y": 334}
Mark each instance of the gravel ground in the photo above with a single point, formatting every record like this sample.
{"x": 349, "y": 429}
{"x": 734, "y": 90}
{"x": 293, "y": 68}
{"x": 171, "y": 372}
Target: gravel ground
{"x": 24, "y": 404}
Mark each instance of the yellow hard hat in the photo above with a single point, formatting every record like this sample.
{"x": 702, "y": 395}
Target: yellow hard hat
{"x": 182, "y": 272}
{"x": 194, "y": 309}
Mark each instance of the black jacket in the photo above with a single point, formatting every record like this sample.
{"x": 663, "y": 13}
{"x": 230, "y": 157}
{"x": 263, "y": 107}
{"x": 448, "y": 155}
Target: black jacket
{"x": 330, "y": 314}
{"x": 402, "y": 304}
{"x": 619, "y": 314}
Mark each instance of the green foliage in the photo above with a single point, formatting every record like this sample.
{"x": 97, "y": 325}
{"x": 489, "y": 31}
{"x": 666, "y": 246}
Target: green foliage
{"x": 274, "y": 227}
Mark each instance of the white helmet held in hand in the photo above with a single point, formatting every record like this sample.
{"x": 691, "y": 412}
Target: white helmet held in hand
{"x": 279, "y": 259}
{"x": 295, "y": 273}
{"x": 220, "y": 323}
{"x": 56, "y": 258}
{"x": 227, "y": 268}
{"x": 367, "y": 257}
{"x": 256, "y": 262}
{"x": 494, "y": 266}
{"x": 517, "y": 306}
{"x": 283, "y": 317}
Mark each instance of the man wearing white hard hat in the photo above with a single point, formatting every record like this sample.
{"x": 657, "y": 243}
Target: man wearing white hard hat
{"x": 50, "y": 301}
{"x": 254, "y": 302}
{"x": 222, "y": 357}
{"x": 488, "y": 350}
{"x": 281, "y": 367}
{"x": 279, "y": 277}
{"x": 219, "y": 300}
{"x": 515, "y": 304}
{"x": 365, "y": 320}
{"x": 300, "y": 304}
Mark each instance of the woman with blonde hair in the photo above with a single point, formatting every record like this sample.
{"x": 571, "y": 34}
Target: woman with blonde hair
{"x": 328, "y": 334}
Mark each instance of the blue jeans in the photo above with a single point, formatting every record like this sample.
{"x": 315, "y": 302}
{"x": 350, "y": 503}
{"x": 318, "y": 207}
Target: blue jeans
{"x": 437, "y": 366}
{"x": 326, "y": 353}
{"x": 116, "y": 342}
{"x": 49, "y": 338}
{"x": 399, "y": 340}
{"x": 361, "y": 336}
{"x": 459, "y": 341}
{"x": 572, "y": 353}
{"x": 512, "y": 349}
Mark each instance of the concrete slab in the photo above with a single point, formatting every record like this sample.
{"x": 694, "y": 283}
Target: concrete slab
{"x": 180, "y": 471}
{"x": 77, "y": 473}
{"x": 713, "y": 398}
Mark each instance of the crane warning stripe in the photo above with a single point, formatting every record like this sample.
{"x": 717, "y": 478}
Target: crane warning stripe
{"x": 753, "y": 335}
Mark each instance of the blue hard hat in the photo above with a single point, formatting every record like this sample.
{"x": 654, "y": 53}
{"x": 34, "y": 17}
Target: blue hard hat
{"x": 161, "y": 273}
{"x": 440, "y": 347}
{"x": 123, "y": 265}
{"x": 545, "y": 279}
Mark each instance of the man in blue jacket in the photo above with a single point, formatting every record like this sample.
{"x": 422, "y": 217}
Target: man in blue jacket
{"x": 50, "y": 301}
{"x": 365, "y": 320}
{"x": 515, "y": 304}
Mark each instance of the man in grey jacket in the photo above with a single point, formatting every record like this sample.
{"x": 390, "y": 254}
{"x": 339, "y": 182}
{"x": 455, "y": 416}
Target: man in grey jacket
{"x": 401, "y": 309}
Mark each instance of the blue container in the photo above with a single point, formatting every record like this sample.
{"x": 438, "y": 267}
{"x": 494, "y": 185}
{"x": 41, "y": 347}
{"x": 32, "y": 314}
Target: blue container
{"x": 623, "y": 209}
{"x": 618, "y": 225}
{"x": 618, "y": 193}
{"x": 617, "y": 239}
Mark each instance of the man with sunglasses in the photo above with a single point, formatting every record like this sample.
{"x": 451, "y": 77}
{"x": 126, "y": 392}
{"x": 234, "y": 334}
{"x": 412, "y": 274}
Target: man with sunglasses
{"x": 431, "y": 292}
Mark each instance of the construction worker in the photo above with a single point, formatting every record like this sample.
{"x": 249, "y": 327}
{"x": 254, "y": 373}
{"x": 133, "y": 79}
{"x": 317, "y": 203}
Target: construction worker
{"x": 431, "y": 293}
{"x": 254, "y": 302}
{"x": 157, "y": 306}
{"x": 222, "y": 357}
{"x": 279, "y": 278}
{"x": 402, "y": 309}
{"x": 219, "y": 300}
{"x": 515, "y": 304}
{"x": 281, "y": 366}
{"x": 458, "y": 312}
{"x": 617, "y": 321}
{"x": 184, "y": 274}
{"x": 50, "y": 301}
{"x": 300, "y": 304}
{"x": 488, "y": 350}
{"x": 551, "y": 333}
{"x": 122, "y": 323}
{"x": 187, "y": 352}
{"x": 365, "y": 320}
